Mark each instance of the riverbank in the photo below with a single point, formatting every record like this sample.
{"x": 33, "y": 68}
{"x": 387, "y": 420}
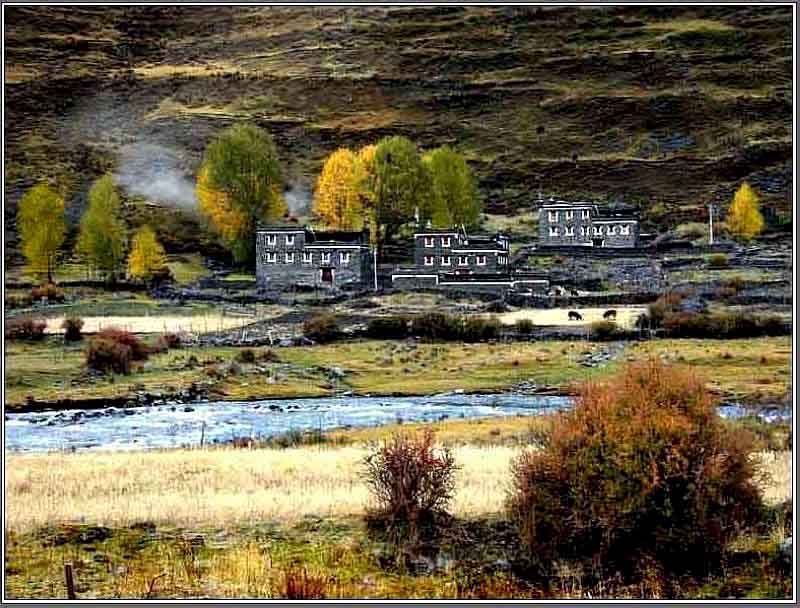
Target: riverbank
{"x": 52, "y": 375}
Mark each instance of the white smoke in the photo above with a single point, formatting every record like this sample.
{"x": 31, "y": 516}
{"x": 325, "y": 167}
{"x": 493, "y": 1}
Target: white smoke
{"x": 154, "y": 172}
{"x": 298, "y": 199}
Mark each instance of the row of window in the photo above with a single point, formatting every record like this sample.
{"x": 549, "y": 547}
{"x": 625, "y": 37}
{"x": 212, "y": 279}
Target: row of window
{"x": 272, "y": 239}
{"x": 461, "y": 260}
{"x": 623, "y": 229}
{"x": 271, "y": 257}
{"x": 568, "y": 215}
{"x": 430, "y": 241}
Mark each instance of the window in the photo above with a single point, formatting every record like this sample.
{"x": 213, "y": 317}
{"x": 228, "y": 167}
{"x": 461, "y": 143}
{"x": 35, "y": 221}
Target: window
{"x": 568, "y": 215}
{"x": 463, "y": 260}
{"x": 445, "y": 260}
{"x": 271, "y": 257}
{"x": 344, "y": 257}
{"x": 326, "y": 257}
{"x": 290, "y": 257}
{"x": 481, "y": 260}
{"x": 585, "y": 214}
{"x": 429, "y": 241}
{"x": 552, "y": 216}
{"x": 598, "y": 230}
{"x": 446, "y": 241}
{"x": 290, "y": 239}
{"x": 271, "y": 240}
{"x": 570, "y": 231}
{"x": 308, "y": 257}
{"x": 625, "y": 229}
{"x": 553, "y": 230}
{"x": 428, "y": 260}
{"x": 584, "y": 230}
{"x": 501, "y": 259}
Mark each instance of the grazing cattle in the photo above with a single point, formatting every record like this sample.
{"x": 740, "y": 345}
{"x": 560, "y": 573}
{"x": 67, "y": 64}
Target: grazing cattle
{"x": 610, "y": 315}
{"x": 574, "y": 292}
{"x": 575, "y": 316}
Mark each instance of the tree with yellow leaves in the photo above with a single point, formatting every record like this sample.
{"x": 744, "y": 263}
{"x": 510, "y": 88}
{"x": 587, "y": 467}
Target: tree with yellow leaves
{"x": 40, "y": 222}
{"x": 241, "y": 175}
{"x": 147, "y": 259}
{"x": 337, "y": 199}
{"x": 744, "y": 219}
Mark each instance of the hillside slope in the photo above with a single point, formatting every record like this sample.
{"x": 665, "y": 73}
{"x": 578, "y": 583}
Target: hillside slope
{"x": 648, "y": 105}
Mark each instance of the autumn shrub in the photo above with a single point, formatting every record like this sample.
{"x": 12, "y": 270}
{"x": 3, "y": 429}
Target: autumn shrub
{"x": 72, "y": 327}
{"x": 246, "y": 355}
{"x": 436, "y": 326}
{"x": 718, "y": 260}
{"x": 24, "y": 328}
{"x": 18, "y": 301}
{"x": 321, "y": 328}
{"x": 113, "y": 349}
{"x": 480, "y": 329}
{"x": 722, "y": 325}
{"x": 641, "y": 470}
{"x": 388, "y": 328}
{"x": 525, "y": 326}
{"x": 167, "y": 341}
{"x": 411, "y": 483}
{"x": 603, "y": 330}
{"x": 107, "y": 355}
{"x": 48, "y": 292}
{"x": 664, "y": 305}
{"x": 299, "y": 585}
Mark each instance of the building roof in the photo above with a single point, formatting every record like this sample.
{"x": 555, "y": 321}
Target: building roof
{"x": 320, "y": 236}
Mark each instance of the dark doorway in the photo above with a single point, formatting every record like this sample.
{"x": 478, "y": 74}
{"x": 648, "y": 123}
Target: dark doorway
{"x": 597, "y": 242}
{"x": 327, "y": 275}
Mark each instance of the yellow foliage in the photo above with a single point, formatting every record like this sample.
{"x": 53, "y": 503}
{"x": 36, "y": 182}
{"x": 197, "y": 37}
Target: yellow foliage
{"x": 744, "y": 220}
{"x": 40, "y": 221}
{"x": 366, "y": 180}
{"x": 228, "y": 221}
{"x": 147, "y": 258}
{"x": 336, "y": 198}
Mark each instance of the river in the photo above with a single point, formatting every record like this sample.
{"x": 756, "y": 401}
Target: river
{"x": 180, "y": 425}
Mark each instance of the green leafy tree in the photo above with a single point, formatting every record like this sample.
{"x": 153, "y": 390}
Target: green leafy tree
{"x": 147, "y": 259}
{"x": 103, "y": 234}
{"x": 241, "y": 164}
{"x": 454, "y": 194}
{"x": 744, "y": 219}
{"x": 401, "y": 186}
{"x": 40, "y": 222}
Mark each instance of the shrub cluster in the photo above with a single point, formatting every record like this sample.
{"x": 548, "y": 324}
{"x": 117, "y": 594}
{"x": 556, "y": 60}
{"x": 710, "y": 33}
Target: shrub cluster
{"x": 24, "y": 328}
{"x": 722, "y": 325}
{"x": 718, "y": 260}
{"x": 641, "y": 470}
{"x": 435, "y": 326}
{"x": 604, "y": 330}
{"x": 388, "y": 328}
{"x": 18, "y": 301}
{"x": 48, "y": 292}
{"x": 167, "y": 341}
{"x": 525, "y": 327}
{"x": 72, "y": 327}
{"x": 114, "y": 349}
{"x": 664, "y": 305}
{"x": 321, "y": 328}
{"x": 411, "y": 483}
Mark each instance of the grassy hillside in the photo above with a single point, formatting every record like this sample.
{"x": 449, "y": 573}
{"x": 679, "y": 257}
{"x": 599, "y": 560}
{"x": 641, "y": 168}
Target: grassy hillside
{"x": 665, "y": 105}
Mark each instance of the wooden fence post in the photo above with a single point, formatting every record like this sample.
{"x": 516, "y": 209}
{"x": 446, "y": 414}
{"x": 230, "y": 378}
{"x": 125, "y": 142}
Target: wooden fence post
{"x": 70, "y": 582}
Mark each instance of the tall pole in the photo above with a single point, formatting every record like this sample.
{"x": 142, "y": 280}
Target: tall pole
{"x": 710, "y": 224}
{"x": 375, "y": 266}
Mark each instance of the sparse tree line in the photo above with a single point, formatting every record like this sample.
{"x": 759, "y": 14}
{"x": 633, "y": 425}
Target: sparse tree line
{"x": 380, "y": 186}
{"x": 103, "y": 238}
{"x": 240, "y": 183}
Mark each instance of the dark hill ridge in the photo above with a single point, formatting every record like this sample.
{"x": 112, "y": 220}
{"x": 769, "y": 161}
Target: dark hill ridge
{"x": 663, "y": 104}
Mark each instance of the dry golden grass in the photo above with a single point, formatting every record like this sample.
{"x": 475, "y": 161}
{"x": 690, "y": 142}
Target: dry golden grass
{"x": 226, "y": 486}
{"x": 219, "y": 486}
{"x": 777, "y": 486}
{"x": 154, "y": 324}
{"x": 626, "y": 315}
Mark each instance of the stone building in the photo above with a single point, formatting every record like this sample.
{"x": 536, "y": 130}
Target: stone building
{"x": 455, "y": 260}
{"x": 585, "y": 224}
{"x": 295, "y": 256}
